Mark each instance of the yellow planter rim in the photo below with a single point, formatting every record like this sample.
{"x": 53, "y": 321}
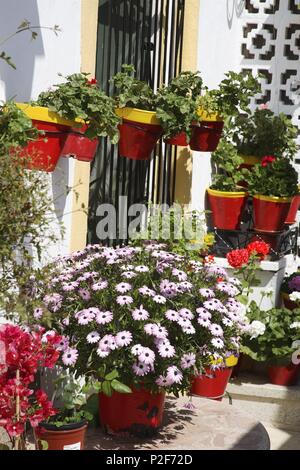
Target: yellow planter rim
{"x": 261, "y": 197}
{"x": 226, "y": 194}
{"x": 138, "y": 115}
{"x": 230, "y": 361}
{"x": 250, "y": 159}
{"x": 41, "y": 113}
{"x": 211, "y": 117}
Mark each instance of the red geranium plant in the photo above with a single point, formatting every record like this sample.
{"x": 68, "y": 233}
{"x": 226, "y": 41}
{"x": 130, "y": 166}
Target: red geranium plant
{"x": 22, "y": 352}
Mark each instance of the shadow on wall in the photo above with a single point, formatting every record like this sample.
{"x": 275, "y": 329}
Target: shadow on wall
{"x": 183, "y": 177}
{"x": 234, "y": 7}
{"x": 21, "y": 48}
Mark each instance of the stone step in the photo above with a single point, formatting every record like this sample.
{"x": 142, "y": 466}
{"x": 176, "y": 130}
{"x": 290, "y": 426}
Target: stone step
{"x": 274, "y": 404}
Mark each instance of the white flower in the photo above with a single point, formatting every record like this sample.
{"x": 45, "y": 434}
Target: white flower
{"x": 256, "y": 328}
{"x": 295, "y": 296}
{"x": 296, "y": 324}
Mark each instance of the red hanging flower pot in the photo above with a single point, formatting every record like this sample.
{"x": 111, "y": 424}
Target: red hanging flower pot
{"x": 206, "y": 136}
{"x": 270, "y": 213}
{"x": 291, "y": 217}
{"x": 283, "y": 375}
{"x": 227, "y": 208}
{"x": 43, "y": 153}
{"x": 212, "y": 384}
{"x": 78, "y": 146}
{"x": 68, "y": 437}
{"x": 139, "y": 412}
{"x": 139, "y": 132}
{"x": 179, "y": 139}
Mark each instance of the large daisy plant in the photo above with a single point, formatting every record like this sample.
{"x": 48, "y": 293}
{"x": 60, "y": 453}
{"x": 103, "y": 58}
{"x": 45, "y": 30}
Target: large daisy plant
{"x": 137, "y": 316}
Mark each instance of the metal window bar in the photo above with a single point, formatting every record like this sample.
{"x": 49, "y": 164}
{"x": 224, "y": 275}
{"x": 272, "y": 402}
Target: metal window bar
{"x": 148, "y": 34}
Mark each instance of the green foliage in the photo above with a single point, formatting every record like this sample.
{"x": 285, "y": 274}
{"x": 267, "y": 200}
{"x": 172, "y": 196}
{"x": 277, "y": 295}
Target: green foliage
{"x": 232, "y": 96}
{"x": 77, "y": 97}
{"x": 16, "y": 128}
{"x": 275, "y": 345}
{"x": 279, "y": 179}
{"x": 176, "y": 103}
{"x": 132, "y": 92}
{"x": 228, "y": 175}
{"x": 263, "y": 133}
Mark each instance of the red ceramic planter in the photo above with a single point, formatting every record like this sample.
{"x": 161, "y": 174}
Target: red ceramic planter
{"x": 68, "y": 437}
{"x": 138, "y": 412}
{"x": 291, "y": 217}
{"x": 179, "y": 139}
{"x": 283, "y": 375}
{"x": 270, "y": 213}
{"x": 80, "y": 147}
{"x": 138, "y": 140}
{"x": 212, "y": 384}
{"x": 206, "y": 136}
{"x": 43, "y": 153}
{"x": 227, "y": 208}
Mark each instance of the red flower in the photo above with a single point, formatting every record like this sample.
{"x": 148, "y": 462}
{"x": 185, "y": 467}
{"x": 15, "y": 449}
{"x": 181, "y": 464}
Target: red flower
{"x": 210, "y": 259}
{"x": 237, "y": 258}
{"x": 267, "y": 160}
{"x": 259, "y": 248}
{"x": 92, "y": 81}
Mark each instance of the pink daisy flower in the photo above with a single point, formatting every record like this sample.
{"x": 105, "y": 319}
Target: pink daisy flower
{"x": 108, "y": 342}
{"x": 140, "y": 314}
{"x": 174, "y": 375}
{"x": 85, "y": 317}
{"x": 186, "y": 313}
{"x": 207, "y": 293}
{"x": 188, "y": 360}
{"x": 162, "y": 381}
{"x": 203, "y": 313}
{"x": 216, "y": 330}
{"x": 124, "y": 338}
{"x": 128, "y": 275}
{"x": 147, "y": 356}
{"x": 148, "y": 328}
{"x": 99, "y": 286}
{"x": 103, "y": 352}
{"x": 159, "y": 331}
{"x": 227, "y": 322}
{"x": 38, "y": 313}
{"x": 217, "y": 343}
{"x": 159, "y": 299}
{"x": 136, "y": 349}
{"x": 140, "y": 369}
{"x": 123, "y": 287}
{"x": 146, "y": 291}
{"x": 172, "y": 315}
{"x": 93, "y": 337}
{"x": 124, "y": 300}
{"x": 189, "y": 330}
{"x": 184, "y": 322}
{"x": 104, "y": 317}
{"x": 181, "y": 275}
{"x": 166, "y": 350}
{"x": 70, "y": 357}
{"x": 205, "y": 322}
{"x": 84, "y": 294}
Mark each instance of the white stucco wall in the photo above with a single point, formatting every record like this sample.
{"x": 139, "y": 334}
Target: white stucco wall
{"x": 38, "y": 64}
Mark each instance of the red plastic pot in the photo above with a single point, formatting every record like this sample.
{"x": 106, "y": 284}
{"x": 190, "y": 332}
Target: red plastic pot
{"x": 139, "y": 412}
{"x": 270, "y": 213}
{"x": 212, "y": 384}
{"x": 43, "y": 153}
{"x": 138, "y": 140}
{"x": 283, "y": 375}
{"x": 206, "y": 136}
{"x": 68, "y": 437}
{"x": 291, "y": 217}
{"x": 80, "y": 147}
{"x": 227, "y": 208}
{"x": 179, "y": 139}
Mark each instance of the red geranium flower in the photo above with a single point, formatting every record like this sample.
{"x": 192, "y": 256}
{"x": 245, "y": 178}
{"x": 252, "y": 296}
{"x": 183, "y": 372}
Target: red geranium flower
{"x": 237, "y": 258}
{"x": 92, "y": 81}
{"x": 267, "y": 160}
{"x": 259, "y": 248}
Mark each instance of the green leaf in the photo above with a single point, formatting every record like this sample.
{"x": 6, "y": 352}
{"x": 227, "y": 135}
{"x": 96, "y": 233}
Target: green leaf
{"x": 120, "y": 387}
{"x": 112, "y": 375}
{"x": 107, "y": 388}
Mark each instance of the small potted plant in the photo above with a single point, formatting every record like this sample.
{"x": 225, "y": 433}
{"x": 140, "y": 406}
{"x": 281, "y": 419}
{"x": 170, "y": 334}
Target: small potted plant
{"x": 278, "y": 343}
{"x": 22, "y": 352}
{"x": 290, "y": 291}
{"x": 176, "y": 107}
{"x": 66, "y": 429}
{"x": 152, "y": 319}
{"x": 135, "y": 104}
{"x": 273, "y": 184}
{"x": 263, "y": 133}
{"x": 227, "y": 197}
{"x": 79, "y": 99}
{"x": 229, "y": 99}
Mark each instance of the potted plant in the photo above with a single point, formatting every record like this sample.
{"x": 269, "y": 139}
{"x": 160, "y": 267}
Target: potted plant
{"x": 138, "y": 312}
{"x": 227, "y": 197}
{"x": 278, "y": 343}
{"x": 232, "y": 96}
{"x": 80, "y": 100}
{"x": 135, "y": 104}
{"x": 273, "y": 184}
{"x": 176, "y": 107}
{"x": 263, "y": 133}
{"x": 22, "y": 352}
{"x": 290, "y": 291}
{"x": 66, "y": 429}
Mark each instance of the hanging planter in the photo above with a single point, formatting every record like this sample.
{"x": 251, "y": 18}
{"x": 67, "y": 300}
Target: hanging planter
{"x": 43, "y": 153}
{"x": 249, "y": 161}
{"x": 139, "y": 412}
{"x": 179, "y": 139}
{"x": 66, "y": 437}
{"x": 139, "y": 132}
{"x": 78, "y": 146}
{"x": 212, "y": 384}
{"x": 227, "y": 208}
{"x": 207, "y": 133}
{"x": 270, "y": 212}
{"x": 283, "y": 375}
{"x": 292, "y": 214}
